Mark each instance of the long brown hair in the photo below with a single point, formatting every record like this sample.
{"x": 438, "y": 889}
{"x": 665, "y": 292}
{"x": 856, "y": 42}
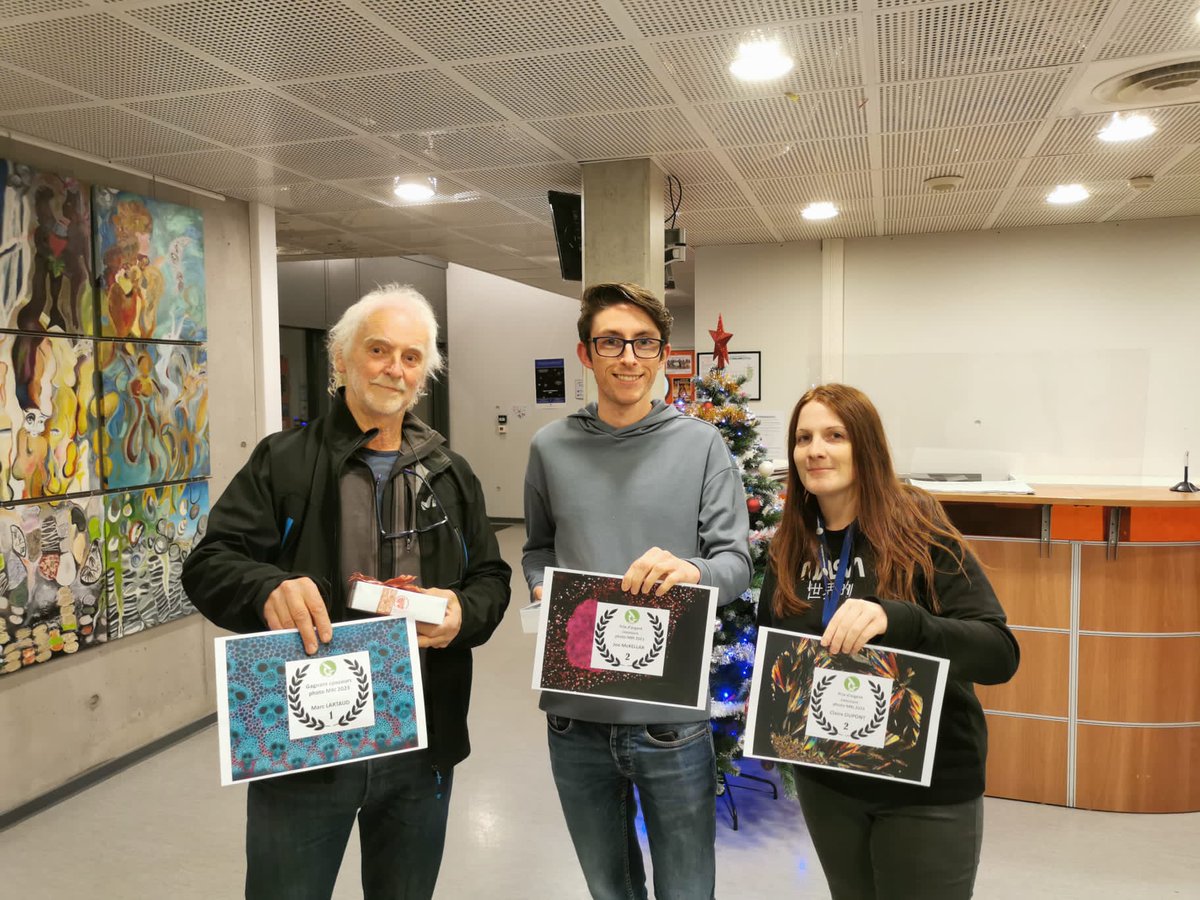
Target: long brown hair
{"x": 899, "y": 521}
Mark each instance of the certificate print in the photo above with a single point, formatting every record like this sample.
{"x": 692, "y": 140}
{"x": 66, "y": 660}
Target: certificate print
{"x": 329, "y": 695}
{"x": 875, "y": 713}
{"x": 597, "y": 640}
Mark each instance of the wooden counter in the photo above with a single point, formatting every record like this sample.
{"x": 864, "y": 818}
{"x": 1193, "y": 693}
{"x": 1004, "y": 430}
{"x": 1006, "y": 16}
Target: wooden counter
{"x": 1102, "y": 589}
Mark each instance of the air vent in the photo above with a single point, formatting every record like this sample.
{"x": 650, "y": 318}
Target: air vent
{"x": 1175, "y": 83}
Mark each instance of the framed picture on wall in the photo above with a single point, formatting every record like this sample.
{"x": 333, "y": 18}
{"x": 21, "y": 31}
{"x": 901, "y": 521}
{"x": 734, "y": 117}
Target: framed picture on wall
{"x": 680, "y": 362}
{"x": 746, "y": 363}
{"x": 679, "y": 387}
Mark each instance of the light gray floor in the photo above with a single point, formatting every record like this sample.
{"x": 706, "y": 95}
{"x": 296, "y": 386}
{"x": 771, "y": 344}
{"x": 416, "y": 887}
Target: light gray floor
{"x": 165, "y": 829}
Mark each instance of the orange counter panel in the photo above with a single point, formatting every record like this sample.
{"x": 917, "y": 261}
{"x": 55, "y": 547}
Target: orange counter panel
{"x": 1027, "y": 759}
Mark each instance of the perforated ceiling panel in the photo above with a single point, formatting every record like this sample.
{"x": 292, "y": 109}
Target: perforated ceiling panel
{"x": 975, "y": 100}
{"x": 19, "y": 91}
{"x": 1153, "y": 26}
{"x": 560, "y": 84}
{"x": 467, "y": 30}
{"x": 659, "y": 17}
{"x": 709, "y": 195}
{"x": 635, "y": 133}
{"x": 1185, "y": 207}
{"x": 102, "y": 131}
{"x": 327, "y": 160}
{"x": 935, "y": 224}
{"x": 470, "y": 148}
{"x": 524, "y": 181}
{"x": 1096, "y": 166}
{"x": 689, "y": 167}
{"x": 952, "y": 146}
{"x": 801, "y": 158}
{"x": 215, "y": 170}
{"x": 535, "y": 207}
{"x": 513, "y": 235}
{"x": 1176, "y": 125}
{"x": 979, "y": 177}
{"x": 308, "y": 196}
{"x": 241, "y": 118}
{"x": 825, "y": 54}
{"x": 108, "y": 57}
{"x": 1189, "y": 165}
{"x": 472, "y": 212}
{"x": 984, "y": 36}
{"x": 1025, "y": 217}
{"x": 855, "y": 220}
{"x": 779, "y": 119}
{"x": 816, "y": 188}
{"x": 274, "y": 41}
{"x": 10, "y": 9}
{"x": 932, "y": 206}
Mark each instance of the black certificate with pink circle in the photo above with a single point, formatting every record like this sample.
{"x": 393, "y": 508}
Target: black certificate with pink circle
{"x": 597, "y": 640}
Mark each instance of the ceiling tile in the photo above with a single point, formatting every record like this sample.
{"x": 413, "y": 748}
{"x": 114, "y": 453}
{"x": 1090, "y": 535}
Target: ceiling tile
{"x": 107, "y": 57}
{"x": 327, "y": 160}
{"x": 19, "y": 91}
{"x": 276, "y": 41}
{"x": 103, "y": 131}
{"x": 952, "y": 146}
{"x": 214, "y": 170}
{"x": 524, "y": 181}
{"x": 618, "y": 135}
{"x": 662, "y": 17}
{"x": 1084, "y": 167}
{"x": 241, "y": 118}
{"x": 1153, "y": 26}
{"x": 702, "y": 165}
{"x": 814, "y": 188}
{"x": 978, "y": 177}
{"x": 473, "y": 212}
{"x": 469, "y": 148}
{"x": 1162, "y": 208}
{"x": 14, "y": 8}
{"x": 725, "y": 226}
{"x": 801, "y": 158}
{"x": 975, "y": 100}
{"x": 1176, "y": 125}
{"x": 940, "y": 206}
{"x": 710, "y": 195}
{"x": 773, "y": 120}
{"x": 934, "y": 224}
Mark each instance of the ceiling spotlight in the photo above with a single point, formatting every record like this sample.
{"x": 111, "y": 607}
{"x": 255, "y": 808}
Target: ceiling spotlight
{"x": 760, "y": 60}
{"x": 1127, "y": 128}
{"x": 415, "y": 191}
{"x": 1068, "y": 193}
{"x": 817, "y": 211}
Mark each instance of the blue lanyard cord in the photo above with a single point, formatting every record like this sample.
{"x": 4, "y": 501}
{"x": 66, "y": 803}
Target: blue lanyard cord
{"x": 833, "y": 598}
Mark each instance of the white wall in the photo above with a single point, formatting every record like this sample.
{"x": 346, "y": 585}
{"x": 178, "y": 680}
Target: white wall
{"x": 770, "y": 298}
{"x": 74, "y": 714}
{"x": 496, "y": 329}
{"x": 1067, "y": 351}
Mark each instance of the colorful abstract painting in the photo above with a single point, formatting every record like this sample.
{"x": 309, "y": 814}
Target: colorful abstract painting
{"x": 155, "y": 413}
{"x": 47, "y": 423}
{"x": 51, "y": 581}
{"x": 147, "y": 536}
{"x": 150, "y": 259}
{"x": 45, "y": 252}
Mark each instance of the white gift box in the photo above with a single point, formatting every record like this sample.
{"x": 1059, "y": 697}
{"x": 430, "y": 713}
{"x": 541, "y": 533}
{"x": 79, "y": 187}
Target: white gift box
{"x": 530, "y": 617}
{"x": 379, "y": 598}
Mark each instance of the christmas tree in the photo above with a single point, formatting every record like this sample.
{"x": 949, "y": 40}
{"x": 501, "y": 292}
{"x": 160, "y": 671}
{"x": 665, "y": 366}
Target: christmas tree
{"x": 719, "y": 399}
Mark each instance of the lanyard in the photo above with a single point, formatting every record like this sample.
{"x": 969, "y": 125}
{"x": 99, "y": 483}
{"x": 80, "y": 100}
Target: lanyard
{"x": 833, "y": 597}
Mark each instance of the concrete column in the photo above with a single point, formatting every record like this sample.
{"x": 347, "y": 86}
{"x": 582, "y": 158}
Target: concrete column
{"x": 264, "y": 300}
{"x": 623, "y": 223}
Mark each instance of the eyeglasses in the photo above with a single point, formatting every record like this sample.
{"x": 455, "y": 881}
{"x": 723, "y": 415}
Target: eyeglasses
{"x": 408, "y": 533}
{"x": 643, "y": 347}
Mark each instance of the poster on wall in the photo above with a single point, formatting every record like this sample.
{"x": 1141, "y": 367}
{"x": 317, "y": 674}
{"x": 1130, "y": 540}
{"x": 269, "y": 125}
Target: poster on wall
{"x": 155, "y": 412}
{"x": 45, "y": 251}
{"x": 52, "y": 600}
{"x": 150, "y": 267}
{"x": 550, "y": 381}
{"x": 746, "y": 365}
{"x": 48, "y": 430}
{"x": 147, "y": 536}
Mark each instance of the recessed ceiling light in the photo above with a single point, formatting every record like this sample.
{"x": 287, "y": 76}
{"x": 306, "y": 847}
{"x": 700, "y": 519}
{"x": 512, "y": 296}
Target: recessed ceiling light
{"x": 760, "y": 60}
{"x": 1127, "y": 128}
{"x": 822, "y": 210}
{"x": 414, "y": 191}
{"x": 1068, "y": 193}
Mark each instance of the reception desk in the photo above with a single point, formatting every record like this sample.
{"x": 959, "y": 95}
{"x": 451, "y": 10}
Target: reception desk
{"x": 1102, "y": 588}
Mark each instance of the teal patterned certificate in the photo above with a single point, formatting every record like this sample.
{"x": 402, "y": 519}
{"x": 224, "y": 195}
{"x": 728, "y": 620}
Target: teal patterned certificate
{"x": 280, "y": 710}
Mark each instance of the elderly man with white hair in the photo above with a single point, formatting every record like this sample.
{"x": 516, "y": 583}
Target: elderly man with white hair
{"x": 367, "y": 488}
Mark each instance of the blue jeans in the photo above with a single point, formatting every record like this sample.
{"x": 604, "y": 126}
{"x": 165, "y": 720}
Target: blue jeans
{"x": 596, "y": 767}
{"x": 297, "y": 827}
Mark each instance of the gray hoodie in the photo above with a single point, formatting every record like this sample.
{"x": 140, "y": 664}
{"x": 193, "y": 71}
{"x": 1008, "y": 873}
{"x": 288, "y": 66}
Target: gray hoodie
{"x": 598, "y": 497}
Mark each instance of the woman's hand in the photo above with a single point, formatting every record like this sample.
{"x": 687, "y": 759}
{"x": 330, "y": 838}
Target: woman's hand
{"x": 855, "y": 623}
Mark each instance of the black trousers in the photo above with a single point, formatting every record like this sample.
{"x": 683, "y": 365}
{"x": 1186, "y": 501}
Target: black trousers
{"x": 875, "y": 852}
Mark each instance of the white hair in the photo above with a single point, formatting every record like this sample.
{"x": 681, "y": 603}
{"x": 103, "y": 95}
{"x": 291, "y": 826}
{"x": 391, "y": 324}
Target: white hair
{"x": 401, "y": 297}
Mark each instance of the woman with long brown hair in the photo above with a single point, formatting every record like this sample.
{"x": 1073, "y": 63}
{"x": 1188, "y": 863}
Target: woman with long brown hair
{"x": 861, "y": 557}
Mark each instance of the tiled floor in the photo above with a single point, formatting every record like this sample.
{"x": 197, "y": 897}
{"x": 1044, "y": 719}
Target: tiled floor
{"x": 164, "y": 829}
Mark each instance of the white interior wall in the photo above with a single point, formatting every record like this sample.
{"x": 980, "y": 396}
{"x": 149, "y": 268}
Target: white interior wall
{"x": 71, "y": 715}
{"x": 497, "y": 329}
{"x": 1049, "y": 353}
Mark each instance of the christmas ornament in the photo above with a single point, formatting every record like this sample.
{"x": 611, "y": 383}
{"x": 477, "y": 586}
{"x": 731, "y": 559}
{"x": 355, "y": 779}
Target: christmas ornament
{"x": 753, "y": 504}
{"x": 721, "y": 344}
{"x": 766, "y": 468}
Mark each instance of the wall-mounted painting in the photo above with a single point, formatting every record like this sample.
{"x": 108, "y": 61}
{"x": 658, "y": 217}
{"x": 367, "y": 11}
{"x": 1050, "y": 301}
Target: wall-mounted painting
{"x": 47, "y": 422}
{"x": 45, "y": 251}
{"x": 51, "y": 581}
{"x": 155, "y": 412}
{"x": 150, "y": 256}
{"x": 147, "y": 536}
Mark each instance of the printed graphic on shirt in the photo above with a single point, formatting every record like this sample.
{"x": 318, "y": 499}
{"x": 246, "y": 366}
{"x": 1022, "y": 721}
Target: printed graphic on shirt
{"x": 848, "y": 707}
{"x": 630, "y": 637}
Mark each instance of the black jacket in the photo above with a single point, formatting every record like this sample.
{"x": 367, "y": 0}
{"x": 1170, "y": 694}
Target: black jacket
{"x": 969, "y": 629}
{"x": 279, "y": 518}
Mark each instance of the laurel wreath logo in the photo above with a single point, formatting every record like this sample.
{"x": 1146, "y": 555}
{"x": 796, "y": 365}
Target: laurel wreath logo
{"x": 818, "y": 695}
{"x": 656, "y": 645}
{"x": 294, "y": 704}
{"x": 364, "y": 693}
{"x": 877, "y": 720}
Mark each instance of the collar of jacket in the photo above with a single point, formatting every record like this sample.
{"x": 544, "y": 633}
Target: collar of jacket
{"x": 343, "y": 436}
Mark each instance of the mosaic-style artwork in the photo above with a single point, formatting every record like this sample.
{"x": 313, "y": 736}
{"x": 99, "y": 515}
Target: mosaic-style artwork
{"x": 155, "y": 413}
{"x": 45, "y": 251}
{"x": 51, "y": 581}
{"x": 150, "y": 259}
{"x": 147, "y": 536}
{"x": 47, "y": 421}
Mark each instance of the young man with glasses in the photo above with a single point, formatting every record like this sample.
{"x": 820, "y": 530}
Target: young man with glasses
{"x": 368, "y": 488}
{"x": 631, "y": 485}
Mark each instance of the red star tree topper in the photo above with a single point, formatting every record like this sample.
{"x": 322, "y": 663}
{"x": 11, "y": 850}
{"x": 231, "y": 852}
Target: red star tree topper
{"x": 721, "y": 344}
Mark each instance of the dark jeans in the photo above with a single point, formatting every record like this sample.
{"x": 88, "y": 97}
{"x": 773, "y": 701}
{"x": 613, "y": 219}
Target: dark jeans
{"x": 873, "y": 852}
{"x": 596, "y": 768}
{"x": 297, "y": 827}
